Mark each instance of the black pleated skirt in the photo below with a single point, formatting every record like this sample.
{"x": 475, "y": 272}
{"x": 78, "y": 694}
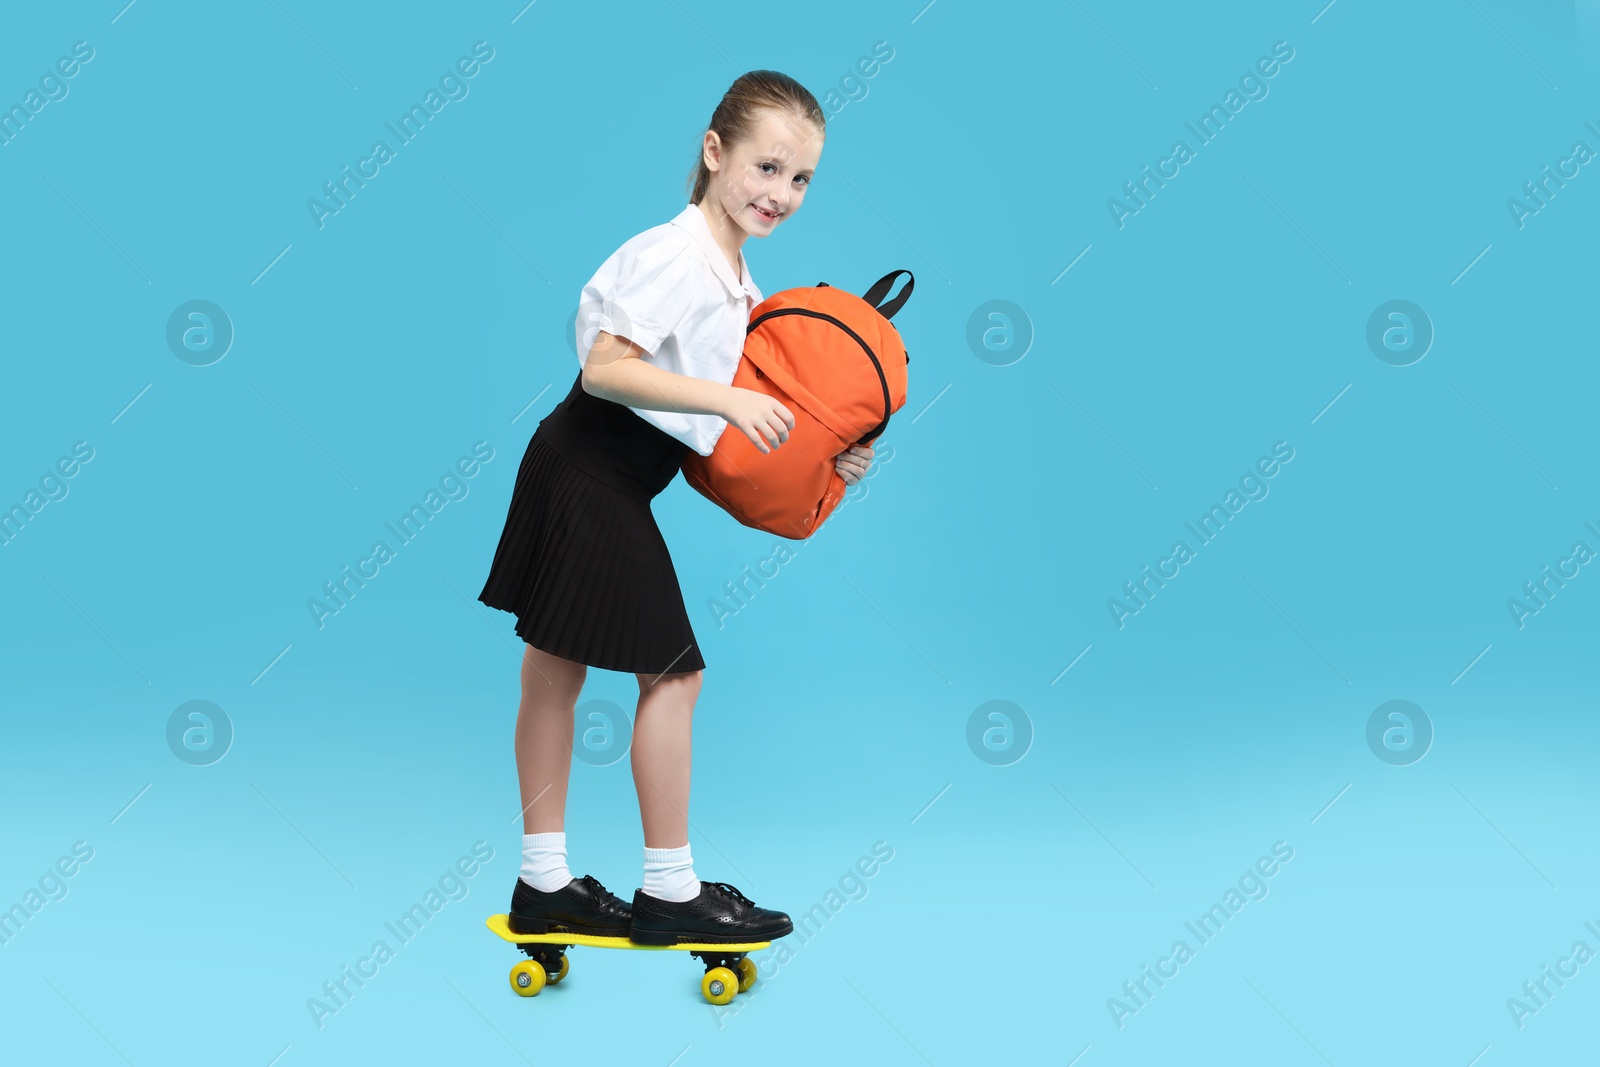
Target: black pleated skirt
{"x": 581, "y": 562}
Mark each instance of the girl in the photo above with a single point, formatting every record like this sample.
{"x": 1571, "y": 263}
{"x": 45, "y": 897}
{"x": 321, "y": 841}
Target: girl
{"x": 581, "y": 562}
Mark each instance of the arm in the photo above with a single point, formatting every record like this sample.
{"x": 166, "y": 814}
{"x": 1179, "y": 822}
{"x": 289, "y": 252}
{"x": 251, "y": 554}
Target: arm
{"x": 614, "y": 371}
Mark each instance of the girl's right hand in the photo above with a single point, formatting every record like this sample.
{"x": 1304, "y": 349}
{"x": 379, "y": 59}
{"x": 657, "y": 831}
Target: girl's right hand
{"x": 759, "y": 417}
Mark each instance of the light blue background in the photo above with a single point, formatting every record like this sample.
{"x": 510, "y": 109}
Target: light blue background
{"x": 1228, "y": 314}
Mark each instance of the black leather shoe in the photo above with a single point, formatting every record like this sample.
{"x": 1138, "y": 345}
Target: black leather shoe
{"x": 720, "y": 915}
{"x": 582, "y": 906}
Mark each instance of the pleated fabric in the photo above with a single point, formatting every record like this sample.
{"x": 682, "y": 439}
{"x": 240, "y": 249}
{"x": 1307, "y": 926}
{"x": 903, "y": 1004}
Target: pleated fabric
{"x": 581, "y": 562}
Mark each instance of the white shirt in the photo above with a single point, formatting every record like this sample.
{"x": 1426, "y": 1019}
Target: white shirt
{"x": 671, "y": 291}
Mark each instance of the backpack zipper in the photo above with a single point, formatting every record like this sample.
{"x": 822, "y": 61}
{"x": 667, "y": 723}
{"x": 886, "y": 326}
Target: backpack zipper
{"x": 883, "y": 381}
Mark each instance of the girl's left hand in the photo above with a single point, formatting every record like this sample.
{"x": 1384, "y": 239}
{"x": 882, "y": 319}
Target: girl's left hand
{"x": 852, "y": 463}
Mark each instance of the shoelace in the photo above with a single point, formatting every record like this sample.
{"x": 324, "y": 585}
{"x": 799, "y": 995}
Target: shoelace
{"x": 724, "y": 887}
{"x": 601, "y": 892}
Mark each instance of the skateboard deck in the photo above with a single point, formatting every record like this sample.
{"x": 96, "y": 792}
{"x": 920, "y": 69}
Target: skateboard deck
{"x": 729, "y": 969}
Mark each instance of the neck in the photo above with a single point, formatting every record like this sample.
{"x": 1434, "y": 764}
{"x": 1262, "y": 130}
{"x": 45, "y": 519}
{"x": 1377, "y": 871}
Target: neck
{"x": 728, "y": 234}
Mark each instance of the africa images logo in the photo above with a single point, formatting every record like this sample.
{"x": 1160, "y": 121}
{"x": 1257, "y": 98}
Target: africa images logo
{"x": 1252, "y": 486}
{"x": 1211, "y": 123}
{"x": 453, "y": 87}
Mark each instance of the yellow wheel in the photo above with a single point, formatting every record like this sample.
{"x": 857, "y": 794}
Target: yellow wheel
{"x": 747, "y": 974}
{"x": 527, "y": 978}
{"x": 562, "y": 973}
{"x": 719, "y": 985}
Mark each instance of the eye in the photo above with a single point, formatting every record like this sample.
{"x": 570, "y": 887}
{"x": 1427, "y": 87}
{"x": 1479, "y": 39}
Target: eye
{"x": 802, "y": 179}
{"x": 765, "y": 165}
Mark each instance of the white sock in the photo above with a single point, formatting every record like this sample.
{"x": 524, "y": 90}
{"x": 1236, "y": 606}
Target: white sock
{"x": 544, "y": 861}
{"x": 669, "y": 874}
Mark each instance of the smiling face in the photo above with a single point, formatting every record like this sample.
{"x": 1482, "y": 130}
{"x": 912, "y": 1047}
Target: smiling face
{"x": 761, "y": 181}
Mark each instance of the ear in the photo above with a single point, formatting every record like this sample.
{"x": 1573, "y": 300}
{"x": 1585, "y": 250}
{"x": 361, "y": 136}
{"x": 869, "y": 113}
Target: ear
{"x": 711, "y": 151}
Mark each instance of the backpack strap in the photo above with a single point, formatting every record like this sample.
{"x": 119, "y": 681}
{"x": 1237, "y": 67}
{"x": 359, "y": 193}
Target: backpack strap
{"x": 880, "y": 289}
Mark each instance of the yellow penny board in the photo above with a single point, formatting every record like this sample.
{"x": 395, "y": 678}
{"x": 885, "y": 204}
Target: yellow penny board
{"x": 501, "y": 926}
{"x": 728, "y": 969}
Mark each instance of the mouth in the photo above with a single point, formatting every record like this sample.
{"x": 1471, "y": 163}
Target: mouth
{"x": 770, "y": 216}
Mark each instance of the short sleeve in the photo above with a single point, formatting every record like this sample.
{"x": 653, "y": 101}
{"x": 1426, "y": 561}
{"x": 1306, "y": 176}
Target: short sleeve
{"x": 643, "y": 292}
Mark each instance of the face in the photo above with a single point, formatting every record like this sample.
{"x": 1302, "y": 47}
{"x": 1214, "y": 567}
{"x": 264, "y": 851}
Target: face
{"x": 762, "y": 180}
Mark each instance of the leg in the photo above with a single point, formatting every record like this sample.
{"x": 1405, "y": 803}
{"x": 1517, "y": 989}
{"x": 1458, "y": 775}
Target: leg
{"x": 661, "y": 753}
{"x": 550, "y": 688}
{"x": 709, "y": 911}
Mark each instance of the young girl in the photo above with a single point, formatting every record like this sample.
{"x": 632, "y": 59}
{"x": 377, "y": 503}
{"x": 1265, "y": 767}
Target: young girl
{"x": 581, "y": 562}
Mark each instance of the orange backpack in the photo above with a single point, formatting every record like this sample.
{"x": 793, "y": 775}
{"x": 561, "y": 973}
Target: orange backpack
{"x": 837, "y": 363}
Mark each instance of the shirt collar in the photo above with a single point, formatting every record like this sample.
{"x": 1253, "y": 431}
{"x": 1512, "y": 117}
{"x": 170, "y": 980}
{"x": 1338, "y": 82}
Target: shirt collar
{"x": 693, "y": 219}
